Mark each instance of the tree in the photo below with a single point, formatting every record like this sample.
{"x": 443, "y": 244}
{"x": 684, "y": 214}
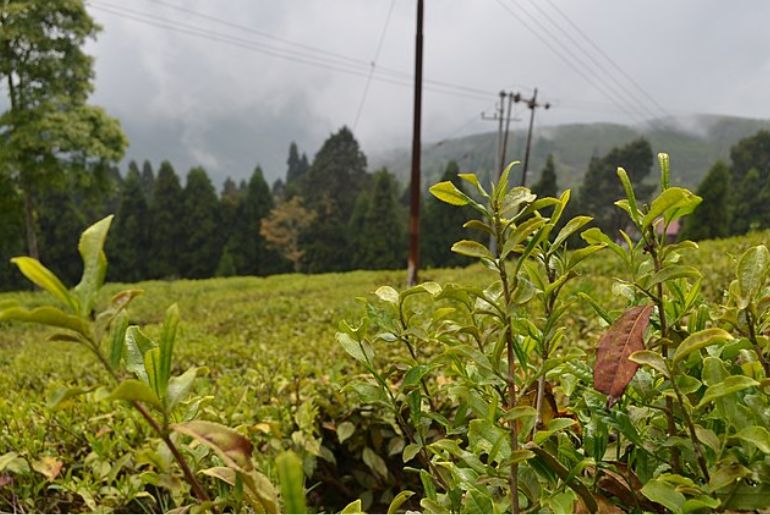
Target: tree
{"x": 246, "y": 246}
{"x": 48, "y": 128}
{"x": 282, "y": 227}
{"x": 442, "y": 226}
{"x": 751, "y": 208}
{"x": 128, "y": 246}
{"x": 380, "y": 243}
{"x": 297, "y": 166}
{"x": 167, "y": 219}
{"x": 330, "y": 188}
{"x": 202, "y": 249}
{"x": 752, "y": 152}
{"x": 11, "y": 234}
{"x": 711, "y": 219}
{"x": 60, "y": 222}
{"x": 148, "y": 181}
{"x": 601, "y": 187}
{"x": 546, "y": 186}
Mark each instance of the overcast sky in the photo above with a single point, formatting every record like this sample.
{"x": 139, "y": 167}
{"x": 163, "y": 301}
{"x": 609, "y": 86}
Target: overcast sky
{"x": 228, "y": 84}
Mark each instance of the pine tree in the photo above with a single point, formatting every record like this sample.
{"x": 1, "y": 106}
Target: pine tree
{"x": 330, "y": 188}
{"x": 127, "y": 246}
{"x": 711, "y": 219}
{"x": 168, "y": 226}
{"x": 147, "y": 181}
{"x": 202, "y": 248}
{"x": 246, "y": 246}
{"x": 297, "y": 166}
{"x": 547, "y": 186}
{"x": 380, "y": 243}
{"x": 442, "y": 226}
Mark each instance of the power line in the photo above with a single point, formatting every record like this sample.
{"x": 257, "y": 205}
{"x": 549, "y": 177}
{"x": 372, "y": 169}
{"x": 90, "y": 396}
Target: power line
{"x": 569, "y": 63}
{"x": 374, "y": 64}
{"x": 608, "y": 58}
{"x": 600, "y": 66}
{"x": 607, "y": 88}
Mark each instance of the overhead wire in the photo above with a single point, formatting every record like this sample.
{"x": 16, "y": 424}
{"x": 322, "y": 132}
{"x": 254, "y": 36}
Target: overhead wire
{"x": 360, "y": 68}
{"x": 630, "y": 95}
{"x": 609, "y": 59}
{"x": 374, "y": 65}
{"x": 569, "y": 63}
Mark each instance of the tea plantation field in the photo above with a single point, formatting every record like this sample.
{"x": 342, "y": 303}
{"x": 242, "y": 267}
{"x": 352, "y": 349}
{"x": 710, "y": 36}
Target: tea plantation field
{"x": 273, "y": 371}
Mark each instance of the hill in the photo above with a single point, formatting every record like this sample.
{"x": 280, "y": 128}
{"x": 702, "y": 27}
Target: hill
{"x": 695, "y": 142}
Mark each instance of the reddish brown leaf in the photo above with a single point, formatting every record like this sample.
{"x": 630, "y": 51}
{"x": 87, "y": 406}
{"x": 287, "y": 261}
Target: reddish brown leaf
{"x": 613, "y": 370}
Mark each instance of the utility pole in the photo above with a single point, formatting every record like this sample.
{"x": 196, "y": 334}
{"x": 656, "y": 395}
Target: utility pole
{"x": 413, "y": 263}
{"x": 511, "y": 98}
{"x": 532, "y": 105}
{"x": 498, "y": 117}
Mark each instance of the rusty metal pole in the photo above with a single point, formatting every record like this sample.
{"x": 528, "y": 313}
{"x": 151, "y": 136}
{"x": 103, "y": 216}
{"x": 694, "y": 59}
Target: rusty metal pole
{"x": 413, "y": 263}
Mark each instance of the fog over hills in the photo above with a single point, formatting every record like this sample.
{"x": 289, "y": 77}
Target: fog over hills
{"x": 694, "y": 142}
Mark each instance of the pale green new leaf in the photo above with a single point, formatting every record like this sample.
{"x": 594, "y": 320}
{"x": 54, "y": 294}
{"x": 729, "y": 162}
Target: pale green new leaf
{"x": 448, "y": 192}
{"x": 91, "y": 248}
{"x": 399, "y": 500}
{"x": 292, "y": 480}
{"x": 471, "y": 248}
{"x": 662, "y": 492}
{"x": 730, "y": 385}
{"x": 43, "y": 277}
{"x": 50, "y": 316}
{"x": 387, "y": 294}
{"x": 678, "y": 201}
{"x": 752, "y": 273}
{"x": 571, "y": 228}
{"x": 650, "y": 359}
{"x": 134, "y": 390}
{"x": 700, "y": 340}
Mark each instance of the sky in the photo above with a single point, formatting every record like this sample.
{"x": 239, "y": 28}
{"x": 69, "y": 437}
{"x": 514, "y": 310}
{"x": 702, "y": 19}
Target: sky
{"x": 229, "y": 84}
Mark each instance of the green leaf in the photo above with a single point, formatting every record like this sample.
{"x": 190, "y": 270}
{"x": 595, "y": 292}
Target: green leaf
{"x": 375, "y": 462}
{"x": 179, "y": 386}
{"x": 501, "y": 188}
{"x": 345, "y": 430}
{"x": 225, "y": 474}
{"x": 134, "y": 390}
{"x": 752, "y": 273}
{"x": 62, "y": 395}
{"x": 91, "y": 247}
{"x": 387, "y": 294}
{"x": 576, "y": 256}
{"x": 152, "y": 367}
{"x": 700, "y": 340}
{"x": 399, "y": 500}
{"x": 554, "y": 426}
{"x": 673, "y": 201}
{"x": 49, "y": 316}
{"x": 756, "y": 435}
{"x": 571, "y": 228}
{"x": 664, "y": 163}
{"x": 136, "y": 345}
{"x": 630, "y": 197}
{"x": 471, "y": 248}
{"x": 292, "y": 481}
{"x": 730, "y": 385}
{"x": 118, "y": 339}
{"x": 359, "y": 350}
{"x": 410, "y": 451}
{"x": 448, "y": 192}
{"x": 232, "y": 447}
{"x": 353, "y": 507}
{"x": 671, "y": 272}
{"x": 472, "y": 179}
{"x": 167, "y": 339}
{"x": 43, "y": 277}
{"x": 651, "y": 359}
{"x": 514, "y": 199}
{"x": 662, "y": 492}
{"x": 414, "y": 375}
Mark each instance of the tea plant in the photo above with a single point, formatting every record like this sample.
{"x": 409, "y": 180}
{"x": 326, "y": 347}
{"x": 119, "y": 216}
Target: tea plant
{"x": 162, "y": 399}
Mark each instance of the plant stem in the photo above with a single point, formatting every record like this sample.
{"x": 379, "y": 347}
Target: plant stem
{"x": 691, "y": 427}
{"x": 513, "y": 479}
{"x": 755, "y": 342}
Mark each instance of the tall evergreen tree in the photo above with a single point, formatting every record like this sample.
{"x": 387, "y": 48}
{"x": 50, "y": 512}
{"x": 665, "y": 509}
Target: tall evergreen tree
{"x": 11, "y": 234}
{"x": 61, "y": 222}
{"x": 128, "y": 244}
{"x": 711, "y": 219}
{"x": 442, "y": 226}
{"x": 148, "y": 181}
{"x": 330, "y": 189}
{"x": 297, "y": 166}
{"x": 601, "y": 187}
{"x": 246, "y": 246}
{"x": 547, "y": 186}
{"x": 752, "y": 152}
{"x": 202, "y": 245}
{"x": 751, "y": 208}
{"x": 380, "y": 243}
{"x": 168, "y": 226}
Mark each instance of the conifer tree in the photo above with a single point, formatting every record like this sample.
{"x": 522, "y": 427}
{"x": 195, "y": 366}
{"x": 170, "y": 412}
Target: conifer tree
{"x": 711, "y": 219}
{"x": 127, "y": 248}
{"x": 167, "y": 222}
{"x": 202, "y": 247}
{"x": 751, "y": 208}
{"x": 246, "y": 246}
{"x": 60, "y": 224}
{"x": 547, "y": 186}
{"x": 148, "y": 181}
{"x": 442, "y": 226}
{"x": 380, "y": 243}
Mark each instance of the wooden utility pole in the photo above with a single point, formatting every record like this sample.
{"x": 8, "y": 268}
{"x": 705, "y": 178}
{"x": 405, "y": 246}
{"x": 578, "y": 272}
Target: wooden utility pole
{"x": 498, "y": 117}
{"x": 532, "y": 105}
{"x": 413, "y": 263}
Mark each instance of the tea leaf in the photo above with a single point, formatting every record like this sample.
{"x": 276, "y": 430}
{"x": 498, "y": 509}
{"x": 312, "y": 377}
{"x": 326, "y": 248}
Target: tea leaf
{"x": 448, "y": 192}
{"x": 700, "y": 340}
{"x": 752, "y": 273}
{"x": 756, "y": 435}
{"x": 651, "y": 359}
{"x": 292, "y": 482}
{"x": 232, "y": 447}
{"x": 613, "y": 370}
{"x": 662, "y": 492}
{"x": 471, "y": 249}
{"x": 730, "y": 385}
{"x": 398, "y": 500}
{"x": 134, "y": 390}
{"x": 43, "y": 277}
{"x": 91, "y": 248}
